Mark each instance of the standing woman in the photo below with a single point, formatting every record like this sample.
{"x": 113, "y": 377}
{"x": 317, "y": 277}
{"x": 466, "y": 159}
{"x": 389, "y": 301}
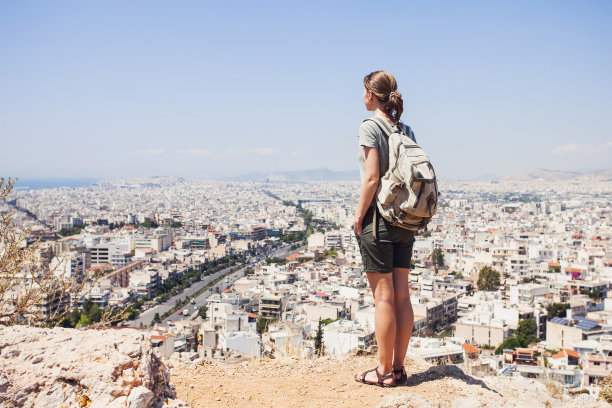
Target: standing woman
{"x": 386, "y": 257}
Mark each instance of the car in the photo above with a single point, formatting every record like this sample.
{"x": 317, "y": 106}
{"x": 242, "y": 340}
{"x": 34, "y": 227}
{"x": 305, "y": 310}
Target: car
{"x": 180, "y": 312}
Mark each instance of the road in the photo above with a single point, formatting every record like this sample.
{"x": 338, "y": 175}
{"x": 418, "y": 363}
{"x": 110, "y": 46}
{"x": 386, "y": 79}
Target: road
{"x": 147, "y": 316}
{"x": 201, "y": 300}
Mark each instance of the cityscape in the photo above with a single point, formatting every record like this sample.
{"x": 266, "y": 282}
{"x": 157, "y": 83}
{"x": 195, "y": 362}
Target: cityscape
{"x": 511, "y": 278}
{"x": 183, "y": 187}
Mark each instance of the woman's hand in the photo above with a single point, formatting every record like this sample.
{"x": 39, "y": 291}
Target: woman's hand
{"x": 357, "y": 225}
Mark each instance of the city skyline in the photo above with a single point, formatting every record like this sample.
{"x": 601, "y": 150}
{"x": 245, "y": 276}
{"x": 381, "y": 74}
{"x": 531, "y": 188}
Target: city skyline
{"x": 211, "y": 91}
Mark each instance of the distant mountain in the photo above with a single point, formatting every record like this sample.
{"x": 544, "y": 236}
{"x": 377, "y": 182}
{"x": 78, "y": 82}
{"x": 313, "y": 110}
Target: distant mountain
{"x": 321, "y": 174}
{"x": 556, "y": 175}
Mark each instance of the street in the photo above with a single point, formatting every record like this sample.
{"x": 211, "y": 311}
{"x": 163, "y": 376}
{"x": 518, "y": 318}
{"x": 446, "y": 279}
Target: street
{"x": 147, "y": 316}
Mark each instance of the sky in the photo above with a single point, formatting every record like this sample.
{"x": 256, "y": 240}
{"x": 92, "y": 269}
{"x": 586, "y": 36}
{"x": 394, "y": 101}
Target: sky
{"x": 214, "y": 89}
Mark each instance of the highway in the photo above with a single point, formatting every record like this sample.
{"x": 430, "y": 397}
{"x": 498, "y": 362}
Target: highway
{"x": 147, "y": 316}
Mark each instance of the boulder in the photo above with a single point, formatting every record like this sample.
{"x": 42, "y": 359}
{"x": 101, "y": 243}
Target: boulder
{"x": 56, "y": 367}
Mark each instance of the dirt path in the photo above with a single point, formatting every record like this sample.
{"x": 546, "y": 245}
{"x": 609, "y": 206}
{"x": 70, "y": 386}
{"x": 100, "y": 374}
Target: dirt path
{"x": 326, "y": 382}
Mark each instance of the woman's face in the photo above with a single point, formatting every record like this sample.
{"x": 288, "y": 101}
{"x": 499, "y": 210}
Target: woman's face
{"x": 368, "y": 99}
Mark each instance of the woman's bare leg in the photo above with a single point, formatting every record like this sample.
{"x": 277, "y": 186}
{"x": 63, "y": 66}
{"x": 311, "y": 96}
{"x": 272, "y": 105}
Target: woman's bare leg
{"x": 384, "y": 320}
{"x": 404, "y": 316}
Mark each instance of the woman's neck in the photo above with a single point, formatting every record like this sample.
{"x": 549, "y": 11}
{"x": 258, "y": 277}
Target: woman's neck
{"x": 380, "y": 112}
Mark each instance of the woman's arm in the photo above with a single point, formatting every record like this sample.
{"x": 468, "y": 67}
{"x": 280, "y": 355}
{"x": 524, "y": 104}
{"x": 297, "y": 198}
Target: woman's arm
{"x": 368, "y": 187}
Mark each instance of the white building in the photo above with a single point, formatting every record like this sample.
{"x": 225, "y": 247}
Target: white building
{"x": 342, "y": 336}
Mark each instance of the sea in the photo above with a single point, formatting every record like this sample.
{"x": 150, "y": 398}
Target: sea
{"x": 42, "y": 183}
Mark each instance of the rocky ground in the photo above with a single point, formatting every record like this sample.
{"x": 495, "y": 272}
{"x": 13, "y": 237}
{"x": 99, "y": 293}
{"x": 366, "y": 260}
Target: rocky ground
{"x": 63, "y": 368}
{"x": 328, "y": 382}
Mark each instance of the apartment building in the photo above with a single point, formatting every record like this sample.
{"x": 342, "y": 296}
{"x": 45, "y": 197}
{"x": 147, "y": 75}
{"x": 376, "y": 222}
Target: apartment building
{"x": 272, "y": 307}
{"x": 561, "y": 333}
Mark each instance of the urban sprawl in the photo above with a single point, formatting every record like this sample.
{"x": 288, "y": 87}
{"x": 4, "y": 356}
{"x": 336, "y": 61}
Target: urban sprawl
{"x": 510, "y": 278}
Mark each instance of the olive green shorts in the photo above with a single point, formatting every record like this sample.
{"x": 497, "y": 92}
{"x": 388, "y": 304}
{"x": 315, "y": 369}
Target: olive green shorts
{"x": 391, "y": 249}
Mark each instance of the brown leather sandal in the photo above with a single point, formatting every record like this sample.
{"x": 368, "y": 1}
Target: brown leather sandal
{"x": 403, "y": 377}
{"x": 381, "y": 378}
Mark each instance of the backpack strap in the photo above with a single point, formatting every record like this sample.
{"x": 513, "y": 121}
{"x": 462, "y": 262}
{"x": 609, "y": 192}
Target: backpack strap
{"x": 382, "y": 124}
{"x": 387, "y": 130}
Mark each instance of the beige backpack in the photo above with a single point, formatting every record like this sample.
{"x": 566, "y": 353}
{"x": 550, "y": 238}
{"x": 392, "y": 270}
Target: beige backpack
{"x": 407, "y": 195}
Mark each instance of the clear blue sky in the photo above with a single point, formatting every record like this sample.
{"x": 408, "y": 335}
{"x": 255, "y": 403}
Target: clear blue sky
{"x": 199, "y": 89}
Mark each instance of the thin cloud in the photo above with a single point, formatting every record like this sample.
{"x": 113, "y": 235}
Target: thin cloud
{"x": 299, "y": 153}
{"x": 231, "y": 153}
{"x": 581, "y": 148}
{"x": 150, "y": 151}
{"x": 199, "y": 153}
{"x": 264, "y": 151}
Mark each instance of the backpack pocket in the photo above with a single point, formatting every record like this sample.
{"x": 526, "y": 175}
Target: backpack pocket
{"x": 388, "y": 189}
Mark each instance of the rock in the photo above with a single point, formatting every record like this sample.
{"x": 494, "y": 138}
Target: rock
{"x": 404, "y": 401}
{"x": 114, "y": 368}
{"x": 140, "y": 397}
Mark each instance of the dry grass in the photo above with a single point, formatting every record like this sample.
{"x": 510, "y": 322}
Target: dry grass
{"x": 31, "y": 291}
{"x": 606, "y": 389}
{"x": 554, "y": 388}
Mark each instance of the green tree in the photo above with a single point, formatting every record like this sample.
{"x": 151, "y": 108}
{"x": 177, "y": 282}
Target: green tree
{"x": 202, "y": 312}
{"x": 458, "y": 275}
{"x": 87, "y": 305}
{"x": 488, "y": 279}
{"x": 148, "y": 224}
{"x": 94, "y": 314}
{"x": 557, "y": 309}
{"x": 262, "y": 325}
{"x": 523, "y": 337}
{"x": 84, "y": 321}
{"x": 318, "y": 342}
{"x": 328, "y": 321}
{"x": 437, "y": 258}
{"x": 156, "y": 317}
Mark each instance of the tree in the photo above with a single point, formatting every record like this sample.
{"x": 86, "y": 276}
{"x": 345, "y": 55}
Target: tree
{"x": 488, "y": 279}
{"x": 523, "y": 337}
{"x": 318, "y": 343}
{"x": 202, "y": 312}
{"x": 262, "y": 324}
{"x": 458, "y": 275}
{"x": 437, "y": 258}
{"x": 84, "y": 321}
{"x": 557, "y": 309}
{"x": 148, "y": 224}
{"x": 94, "y": 314}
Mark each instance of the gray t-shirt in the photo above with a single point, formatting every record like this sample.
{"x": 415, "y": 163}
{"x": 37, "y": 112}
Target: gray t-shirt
{"x": 370, "y": 135}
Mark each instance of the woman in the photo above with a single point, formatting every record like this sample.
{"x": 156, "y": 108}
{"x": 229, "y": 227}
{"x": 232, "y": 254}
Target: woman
{"x": 386, "y": 257}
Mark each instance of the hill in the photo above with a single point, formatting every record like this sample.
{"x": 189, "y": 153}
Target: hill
{"x": 556, "y": 175}
{"x": 328, "y": 382}
{"x": 118, "y": 368}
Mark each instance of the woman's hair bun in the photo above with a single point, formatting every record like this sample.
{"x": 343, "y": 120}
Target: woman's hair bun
{"x": 395, "y": 94}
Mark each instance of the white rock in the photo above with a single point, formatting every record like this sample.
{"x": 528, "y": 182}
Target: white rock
{"x": 140, "y": 397}
{"x": 56, "y": 367}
